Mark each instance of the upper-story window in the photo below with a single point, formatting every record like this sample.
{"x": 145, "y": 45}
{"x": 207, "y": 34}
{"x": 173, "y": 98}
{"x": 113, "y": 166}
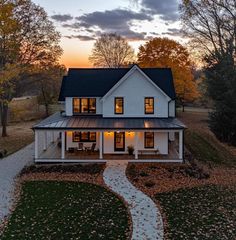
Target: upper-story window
{"x": 84, "y": 105}
{"x": 119, "y": 105}
{"x": 149, "y": 105}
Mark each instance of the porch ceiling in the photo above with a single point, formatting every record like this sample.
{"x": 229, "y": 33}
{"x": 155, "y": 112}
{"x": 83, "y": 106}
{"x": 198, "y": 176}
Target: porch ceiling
{"x": 59, "y": 122}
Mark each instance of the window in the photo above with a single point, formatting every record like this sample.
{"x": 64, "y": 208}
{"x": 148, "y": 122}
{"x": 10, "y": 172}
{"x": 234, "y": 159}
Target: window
{"x": 76, "y": 105}
{"x": 149, "y": 140}
{"x": 84, "y": 105}
{"x": 84, "y": 136}
{"x": 149, "y": 105}
{"x": 119, "y": 105}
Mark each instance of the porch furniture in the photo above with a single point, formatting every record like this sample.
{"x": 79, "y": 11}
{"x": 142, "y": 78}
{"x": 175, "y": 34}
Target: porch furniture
{"x": 80, "y": 147}
{"x": 92, "y": 149}
{"x": 155, "y": 151}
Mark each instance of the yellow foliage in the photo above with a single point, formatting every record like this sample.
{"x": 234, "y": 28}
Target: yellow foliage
{"x": 167, "y": 53}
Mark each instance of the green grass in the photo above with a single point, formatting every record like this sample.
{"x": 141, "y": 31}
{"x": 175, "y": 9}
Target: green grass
{"x": 67, "y": 210}
{"x": 206, "y": 149}
{"x": 206, "y": 213}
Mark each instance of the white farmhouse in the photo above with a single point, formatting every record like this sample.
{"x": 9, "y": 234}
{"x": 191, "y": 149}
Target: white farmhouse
{"x": 122, "y": 113}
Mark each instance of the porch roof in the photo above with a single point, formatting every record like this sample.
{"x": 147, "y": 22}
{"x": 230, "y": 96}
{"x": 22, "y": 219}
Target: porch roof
{"x": 58, "y": 121}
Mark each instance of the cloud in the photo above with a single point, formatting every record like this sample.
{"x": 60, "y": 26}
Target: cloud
{"x": 174, "y": 32}
{"x": 80, "y": 37}
{"x": 111, "y": 21}
{"x": 166, "y": 9}
{"x": 62, "y": 17}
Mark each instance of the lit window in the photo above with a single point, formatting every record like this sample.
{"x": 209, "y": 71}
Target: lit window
{"x": 76, "y": 105}
{"x": 92, "y": 105}
{"x": 84, "y": 136}
{"x": 149, "y": 105}
{"x": 149, "y": 140}
{"x": 84, "y": 105}
{"x": 119, "y": 105}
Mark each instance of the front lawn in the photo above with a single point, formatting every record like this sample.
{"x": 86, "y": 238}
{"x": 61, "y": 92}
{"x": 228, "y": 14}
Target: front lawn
{"x": 206, "y": 212}
{"x": 67, "y": 210}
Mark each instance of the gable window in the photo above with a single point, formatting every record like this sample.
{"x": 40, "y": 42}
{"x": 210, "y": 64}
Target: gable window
{"x": 84, "y": 136}
{"x": 84, "y": 105}
{"x": 119, "y": 105}
{"x": 149, "y": 140}
{"x": 149, "y": 105}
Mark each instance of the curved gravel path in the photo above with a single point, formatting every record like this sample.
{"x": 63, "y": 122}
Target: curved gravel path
{"x": 146, "y": 218}
{"x": 9, "y": 168}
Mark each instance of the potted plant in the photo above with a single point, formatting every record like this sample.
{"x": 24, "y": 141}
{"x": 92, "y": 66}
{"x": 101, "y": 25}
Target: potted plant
{"x": 130, "y": 149}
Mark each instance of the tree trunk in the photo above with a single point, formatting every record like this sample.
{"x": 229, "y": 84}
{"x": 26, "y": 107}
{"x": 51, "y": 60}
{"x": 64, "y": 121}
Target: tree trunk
{"x": 47, "y": 109}
{"x": 4, "y": 112}
{"x": 183, "y": 109}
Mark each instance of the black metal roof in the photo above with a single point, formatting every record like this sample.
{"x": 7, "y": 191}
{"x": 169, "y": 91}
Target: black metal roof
{"x": 96, "y": 82}
{"x": 96, "y": 122}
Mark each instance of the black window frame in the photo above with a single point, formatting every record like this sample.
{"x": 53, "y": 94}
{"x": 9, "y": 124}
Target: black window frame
{"x": 117, "y": 98}
{"x": 145, "y": 110}
{"x": 84, "y": 140}
{"x": 88, "y": 104}
{"x": 145, "y": 137}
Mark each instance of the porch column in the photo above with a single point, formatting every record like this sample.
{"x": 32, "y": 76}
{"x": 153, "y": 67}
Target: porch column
{"x": 45, "y": 141}
{"x": 62, "y": 145}
{"x": 36, "y": 145}
{"x": 136, "y": 145}
{"x": 101, "y": 145}
{"x": 181, "y": 144}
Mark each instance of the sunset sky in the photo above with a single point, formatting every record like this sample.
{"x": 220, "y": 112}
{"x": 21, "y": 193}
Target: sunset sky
{"x": 80, "y": 22}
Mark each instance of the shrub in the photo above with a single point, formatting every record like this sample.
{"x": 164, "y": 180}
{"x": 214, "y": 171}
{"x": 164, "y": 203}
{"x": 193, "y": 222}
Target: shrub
{"x": 130, "y": 149}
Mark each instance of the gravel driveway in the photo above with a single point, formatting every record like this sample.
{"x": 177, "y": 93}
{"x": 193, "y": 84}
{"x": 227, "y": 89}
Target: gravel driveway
{"x": 9, "y": 167}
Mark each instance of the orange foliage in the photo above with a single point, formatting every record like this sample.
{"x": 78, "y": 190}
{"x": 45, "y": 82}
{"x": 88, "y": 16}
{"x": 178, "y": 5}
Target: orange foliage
{"x": 164, "y": 52}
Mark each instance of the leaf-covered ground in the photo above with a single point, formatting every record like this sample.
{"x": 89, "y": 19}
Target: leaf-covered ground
{"x": 204, "y": 213}
{"x": 67, "y": 210}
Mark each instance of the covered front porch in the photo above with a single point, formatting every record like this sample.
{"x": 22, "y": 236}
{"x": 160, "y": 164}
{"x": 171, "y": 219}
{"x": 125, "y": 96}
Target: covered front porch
{"x": 54, "y": 149}
{"x": 95, "y": 139}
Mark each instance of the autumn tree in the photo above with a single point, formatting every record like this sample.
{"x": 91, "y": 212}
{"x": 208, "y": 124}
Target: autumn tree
{"x": 211, "y": 26}
{"x": 27, "y": 37}
{"x": 47, "y": 80}
{"x": 167, "y": 53}
{"x": 111, "y": 50}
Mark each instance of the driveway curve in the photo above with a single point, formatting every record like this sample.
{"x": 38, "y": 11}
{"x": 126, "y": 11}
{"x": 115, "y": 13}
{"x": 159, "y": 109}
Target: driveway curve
{"x": 146, "y": 218}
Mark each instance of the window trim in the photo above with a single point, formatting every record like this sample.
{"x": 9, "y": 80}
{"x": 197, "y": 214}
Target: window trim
{"x": 116, "y": 98}
{"x": 145, "y": 146}
{"x": 80, "y": 105}
{"x": 89, "y": 137}
{"x": 145, "y": 111}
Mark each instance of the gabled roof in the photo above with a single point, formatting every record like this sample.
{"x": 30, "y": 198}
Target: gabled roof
{"x": 96, "y": 82}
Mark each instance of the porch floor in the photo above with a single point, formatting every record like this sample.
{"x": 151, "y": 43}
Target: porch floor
{"x": 53, "y": 152}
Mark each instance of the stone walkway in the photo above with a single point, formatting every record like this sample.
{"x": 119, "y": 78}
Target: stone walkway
{"x": 9, "y": 167}
{"x": 146, "y": 218}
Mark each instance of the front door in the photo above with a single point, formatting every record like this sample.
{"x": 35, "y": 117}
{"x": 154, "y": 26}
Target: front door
{"x": 119, "y": 141}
